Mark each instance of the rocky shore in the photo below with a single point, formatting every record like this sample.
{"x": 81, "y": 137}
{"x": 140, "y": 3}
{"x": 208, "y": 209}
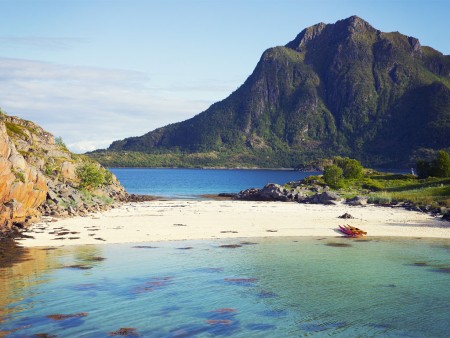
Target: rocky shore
{"x": 38, "y": 177}
{"x": 305, "y": 192}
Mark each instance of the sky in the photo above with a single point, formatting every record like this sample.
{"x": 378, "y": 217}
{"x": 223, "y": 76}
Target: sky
{"x": 95, "y": 71}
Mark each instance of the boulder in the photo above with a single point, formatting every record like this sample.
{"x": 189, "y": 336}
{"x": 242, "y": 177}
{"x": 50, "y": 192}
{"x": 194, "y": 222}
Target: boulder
{"x": 251, "y": 194}
{"x": 68, "y": 171}
{"x": 346, "y": 216}
{"x": 357, "y": 200}
{"x": 327, "y": 197}
{"x": 273, "y": 192}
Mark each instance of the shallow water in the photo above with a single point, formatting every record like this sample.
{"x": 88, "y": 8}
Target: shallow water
{"x": 282, "y": 287}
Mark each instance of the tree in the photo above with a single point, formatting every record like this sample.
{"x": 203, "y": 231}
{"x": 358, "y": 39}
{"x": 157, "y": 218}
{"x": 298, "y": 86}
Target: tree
{"x": 423, "y": 168}
{"x": 351, "y": 168}
{"x": 91, "y": 176}
{"x": 333, "y": 176}
{"x": 441, "y": 166}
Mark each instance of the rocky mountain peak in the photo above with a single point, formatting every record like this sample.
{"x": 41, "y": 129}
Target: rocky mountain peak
{"x": 343, "y": 88}
{"x": 305, "y": 36}
{"x": 356, "y": 23}
{"x": 337, "y": 31}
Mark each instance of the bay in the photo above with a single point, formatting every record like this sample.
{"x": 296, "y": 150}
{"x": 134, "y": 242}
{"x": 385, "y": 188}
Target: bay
{"x": 279, "y": 287}
{"x": 191, "y": 183}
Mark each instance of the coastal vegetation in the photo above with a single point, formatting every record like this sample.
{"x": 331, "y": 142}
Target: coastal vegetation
{"x": 429, "y": 193}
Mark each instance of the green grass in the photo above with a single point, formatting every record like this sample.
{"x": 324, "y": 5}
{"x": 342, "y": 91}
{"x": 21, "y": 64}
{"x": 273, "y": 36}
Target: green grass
{"x": 14, "y": 129}
{"x": 392, "y": 188}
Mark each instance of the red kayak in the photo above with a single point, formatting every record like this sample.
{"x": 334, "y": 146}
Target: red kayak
{"x": 352, "y": 231}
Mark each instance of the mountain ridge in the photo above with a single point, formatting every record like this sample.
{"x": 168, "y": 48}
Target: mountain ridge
{"x": 335, "y": 89}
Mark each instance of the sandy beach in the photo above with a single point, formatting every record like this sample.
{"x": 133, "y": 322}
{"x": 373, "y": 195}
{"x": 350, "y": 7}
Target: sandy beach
{"x": 175, "y": 220}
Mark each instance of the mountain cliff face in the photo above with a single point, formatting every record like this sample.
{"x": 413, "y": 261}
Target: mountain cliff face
{"x": 336, "y": 89}
{"x": 38, "y": 176}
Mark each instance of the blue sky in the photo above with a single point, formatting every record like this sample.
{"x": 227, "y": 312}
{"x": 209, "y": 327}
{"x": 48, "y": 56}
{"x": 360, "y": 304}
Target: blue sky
{"x": 94, "y": 71}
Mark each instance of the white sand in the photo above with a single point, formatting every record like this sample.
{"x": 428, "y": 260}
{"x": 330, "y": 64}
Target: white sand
{"x": 182, "y": 220}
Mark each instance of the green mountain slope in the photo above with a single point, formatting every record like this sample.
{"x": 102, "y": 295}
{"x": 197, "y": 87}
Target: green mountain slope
{"x": 337, "y": 89}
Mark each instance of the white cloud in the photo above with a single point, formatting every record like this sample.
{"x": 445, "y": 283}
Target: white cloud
{"x": 90, "y": 107}
{"x": 39, "y": 42}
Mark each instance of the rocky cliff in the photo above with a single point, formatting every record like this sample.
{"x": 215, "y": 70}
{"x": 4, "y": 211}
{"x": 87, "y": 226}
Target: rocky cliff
{"x": 39, "y": 176}
{"x": 336, "y": 89}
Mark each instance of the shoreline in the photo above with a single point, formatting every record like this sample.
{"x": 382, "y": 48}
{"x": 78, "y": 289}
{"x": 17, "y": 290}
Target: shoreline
{"x": 176, "y": 220}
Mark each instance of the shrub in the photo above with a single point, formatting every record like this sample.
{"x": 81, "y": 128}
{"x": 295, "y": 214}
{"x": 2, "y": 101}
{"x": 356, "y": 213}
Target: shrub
{"x": 351, "y": 168}
{"x": 59, "y": 142}
{"x": 440, "y": 167}
{"x": 423, "y": 169}
{"x": 91, "y": 176}
{"x": 313, "y": 179}
{"x": 333, "y": 176}
{"x": 108, "y": 177}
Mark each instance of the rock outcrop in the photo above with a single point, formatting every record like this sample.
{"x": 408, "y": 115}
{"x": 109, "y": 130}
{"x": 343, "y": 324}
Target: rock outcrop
{"x": 300, "y": 191}
{"x": 38, "y": 176}
{"x": 23, "y": 187}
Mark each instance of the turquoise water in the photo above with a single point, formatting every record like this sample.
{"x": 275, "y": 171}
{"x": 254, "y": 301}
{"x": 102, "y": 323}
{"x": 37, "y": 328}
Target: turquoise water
{"x": 285, "y": 287}
{"x": 190, "y": 183}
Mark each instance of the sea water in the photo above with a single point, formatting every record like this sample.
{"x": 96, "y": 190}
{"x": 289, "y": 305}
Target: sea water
{"x": 278, "y": 287}
{"x": 190, "y": 183}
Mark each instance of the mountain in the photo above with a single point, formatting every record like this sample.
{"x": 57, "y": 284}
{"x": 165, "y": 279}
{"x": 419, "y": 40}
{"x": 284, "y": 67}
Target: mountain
{"x": 38, "y": 175}
{"x": 336, "y": 89}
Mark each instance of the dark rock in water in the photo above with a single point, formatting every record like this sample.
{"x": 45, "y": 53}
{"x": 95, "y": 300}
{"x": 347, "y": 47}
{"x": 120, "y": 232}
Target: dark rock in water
{"x": 442, "y": 270}
{"x": 241, "y": 281}
{"x": 420, "y": 264}
{"x": 225, "y": 310}
{"x": 346, "y": 216}
{"x": 230, "y": 246}
{"x": 144, "y": 247}
{"x": 96, "y": 259}
{"x": 63, "y": 317}
{"x": 267, "y": 294}
{"x": 78, "y": 266}
{"x": 343, "y": 245}
{"x": 185, "y": 248}
{"x": 125, "y": 331}
{"x": 260, "y": 327}
{"x": 357, "y": 200}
